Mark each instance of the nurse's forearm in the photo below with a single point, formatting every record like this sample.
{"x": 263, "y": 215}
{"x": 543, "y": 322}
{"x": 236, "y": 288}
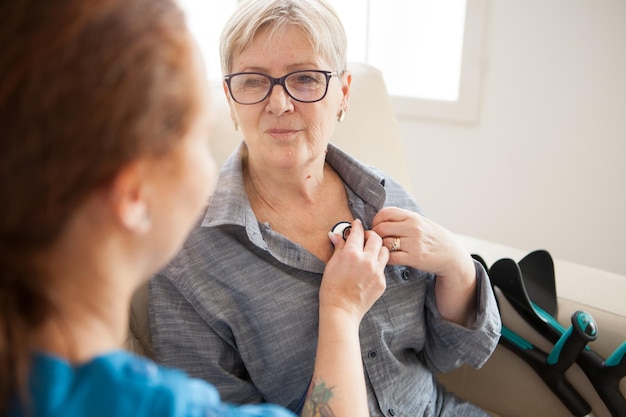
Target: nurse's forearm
{"x": 338, "y": 384}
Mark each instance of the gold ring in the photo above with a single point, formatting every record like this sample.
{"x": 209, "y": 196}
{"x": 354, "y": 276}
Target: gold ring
{"x": 395, "y": 244}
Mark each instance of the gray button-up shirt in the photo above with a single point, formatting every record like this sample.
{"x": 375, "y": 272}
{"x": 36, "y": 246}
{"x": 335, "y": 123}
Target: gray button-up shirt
{"x": 238, "y": 307}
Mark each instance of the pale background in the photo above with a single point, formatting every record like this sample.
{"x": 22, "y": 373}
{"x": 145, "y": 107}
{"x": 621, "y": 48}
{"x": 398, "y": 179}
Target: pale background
{"x": 544, "y": 166}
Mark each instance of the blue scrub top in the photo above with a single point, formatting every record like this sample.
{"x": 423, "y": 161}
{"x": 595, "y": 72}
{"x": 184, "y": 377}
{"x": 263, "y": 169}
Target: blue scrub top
{"x": 122, "y": 384}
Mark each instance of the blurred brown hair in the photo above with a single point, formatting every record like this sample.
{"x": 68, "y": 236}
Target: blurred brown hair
{"x": 86, "y": 86}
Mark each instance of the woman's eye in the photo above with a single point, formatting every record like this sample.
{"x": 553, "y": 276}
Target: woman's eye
{"x": 254, "y": 82}
{"x": 307, "y": 79}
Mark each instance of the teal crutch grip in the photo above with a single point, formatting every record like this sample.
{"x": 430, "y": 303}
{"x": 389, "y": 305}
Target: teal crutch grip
{"x": 618, "y": 357}
{"x": 566, "y": 350}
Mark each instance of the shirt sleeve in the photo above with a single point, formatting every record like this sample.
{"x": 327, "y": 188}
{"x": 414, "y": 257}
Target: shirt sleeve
{"x": 177, "y": 328}
{"x": 450, "y": 344}
{"x": 173, "y": 394}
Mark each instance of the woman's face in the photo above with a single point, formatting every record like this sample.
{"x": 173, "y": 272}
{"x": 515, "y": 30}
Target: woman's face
{"x": 279, "y": 131}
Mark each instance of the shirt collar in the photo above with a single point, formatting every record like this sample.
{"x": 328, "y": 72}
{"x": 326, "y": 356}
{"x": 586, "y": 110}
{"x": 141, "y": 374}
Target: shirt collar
{"x": 229, "y": 204}
{"x": 366, "y": 182}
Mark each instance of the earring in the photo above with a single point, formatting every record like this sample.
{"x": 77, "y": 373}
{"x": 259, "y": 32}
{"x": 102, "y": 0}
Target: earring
{"x": 145, "y": 223}
{"x": 139, "y": 218}
{"x": 341, "y": 115}
{"x": 236, "y": 125}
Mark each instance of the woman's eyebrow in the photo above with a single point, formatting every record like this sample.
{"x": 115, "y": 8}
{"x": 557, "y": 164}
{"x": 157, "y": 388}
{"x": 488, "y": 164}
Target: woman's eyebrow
{"x": 289, "y": 68}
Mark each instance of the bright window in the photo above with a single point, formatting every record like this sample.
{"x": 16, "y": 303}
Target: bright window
{"x": 418, "y": 49}
{"x": 429, "y": 51}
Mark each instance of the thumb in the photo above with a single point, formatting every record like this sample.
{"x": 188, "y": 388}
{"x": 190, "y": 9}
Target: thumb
{"x": 337, "y": 240}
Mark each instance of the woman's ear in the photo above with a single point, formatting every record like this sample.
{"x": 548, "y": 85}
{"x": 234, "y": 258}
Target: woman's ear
{"x": 130, "y": 198}
{"x": 226, "y": 93}
{"x": 229, "y": 99}
{"x": 346, "y": 79}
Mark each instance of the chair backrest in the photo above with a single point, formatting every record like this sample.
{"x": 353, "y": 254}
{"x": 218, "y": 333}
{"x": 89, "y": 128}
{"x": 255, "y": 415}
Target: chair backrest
{"x": 370, "y": 132}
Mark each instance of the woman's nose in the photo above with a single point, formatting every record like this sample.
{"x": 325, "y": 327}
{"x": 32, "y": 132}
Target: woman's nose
{"x": 279, "y": 101}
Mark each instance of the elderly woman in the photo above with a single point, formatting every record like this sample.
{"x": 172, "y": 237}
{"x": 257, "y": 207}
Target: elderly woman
{"x": 238, "y": 306}
{"x": 104, "y": 170}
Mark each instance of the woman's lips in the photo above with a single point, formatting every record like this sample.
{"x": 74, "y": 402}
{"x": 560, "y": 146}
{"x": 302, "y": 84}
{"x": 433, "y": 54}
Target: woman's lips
{"x": 282, "y": 133}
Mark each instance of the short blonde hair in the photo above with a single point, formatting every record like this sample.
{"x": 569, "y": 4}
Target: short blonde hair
{"x": 316, "y": 18}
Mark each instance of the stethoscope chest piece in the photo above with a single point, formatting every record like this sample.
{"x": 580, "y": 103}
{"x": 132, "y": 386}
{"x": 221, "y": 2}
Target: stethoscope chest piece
{"x": 342, "y": 229}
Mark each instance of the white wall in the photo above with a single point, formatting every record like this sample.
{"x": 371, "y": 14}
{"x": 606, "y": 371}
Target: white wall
{"x": 545, "y": 164}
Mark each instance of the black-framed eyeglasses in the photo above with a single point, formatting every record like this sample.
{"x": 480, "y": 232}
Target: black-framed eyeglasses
{"x": 306, "y": 86}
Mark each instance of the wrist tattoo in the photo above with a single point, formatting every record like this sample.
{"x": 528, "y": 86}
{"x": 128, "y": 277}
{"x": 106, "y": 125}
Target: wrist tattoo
{"x": 317, "y": 402}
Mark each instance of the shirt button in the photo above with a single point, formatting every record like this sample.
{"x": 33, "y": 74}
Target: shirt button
{"x": 372, "y": 354}
{"x": 406, "y": 274}
{"x": 392, "y": 412}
